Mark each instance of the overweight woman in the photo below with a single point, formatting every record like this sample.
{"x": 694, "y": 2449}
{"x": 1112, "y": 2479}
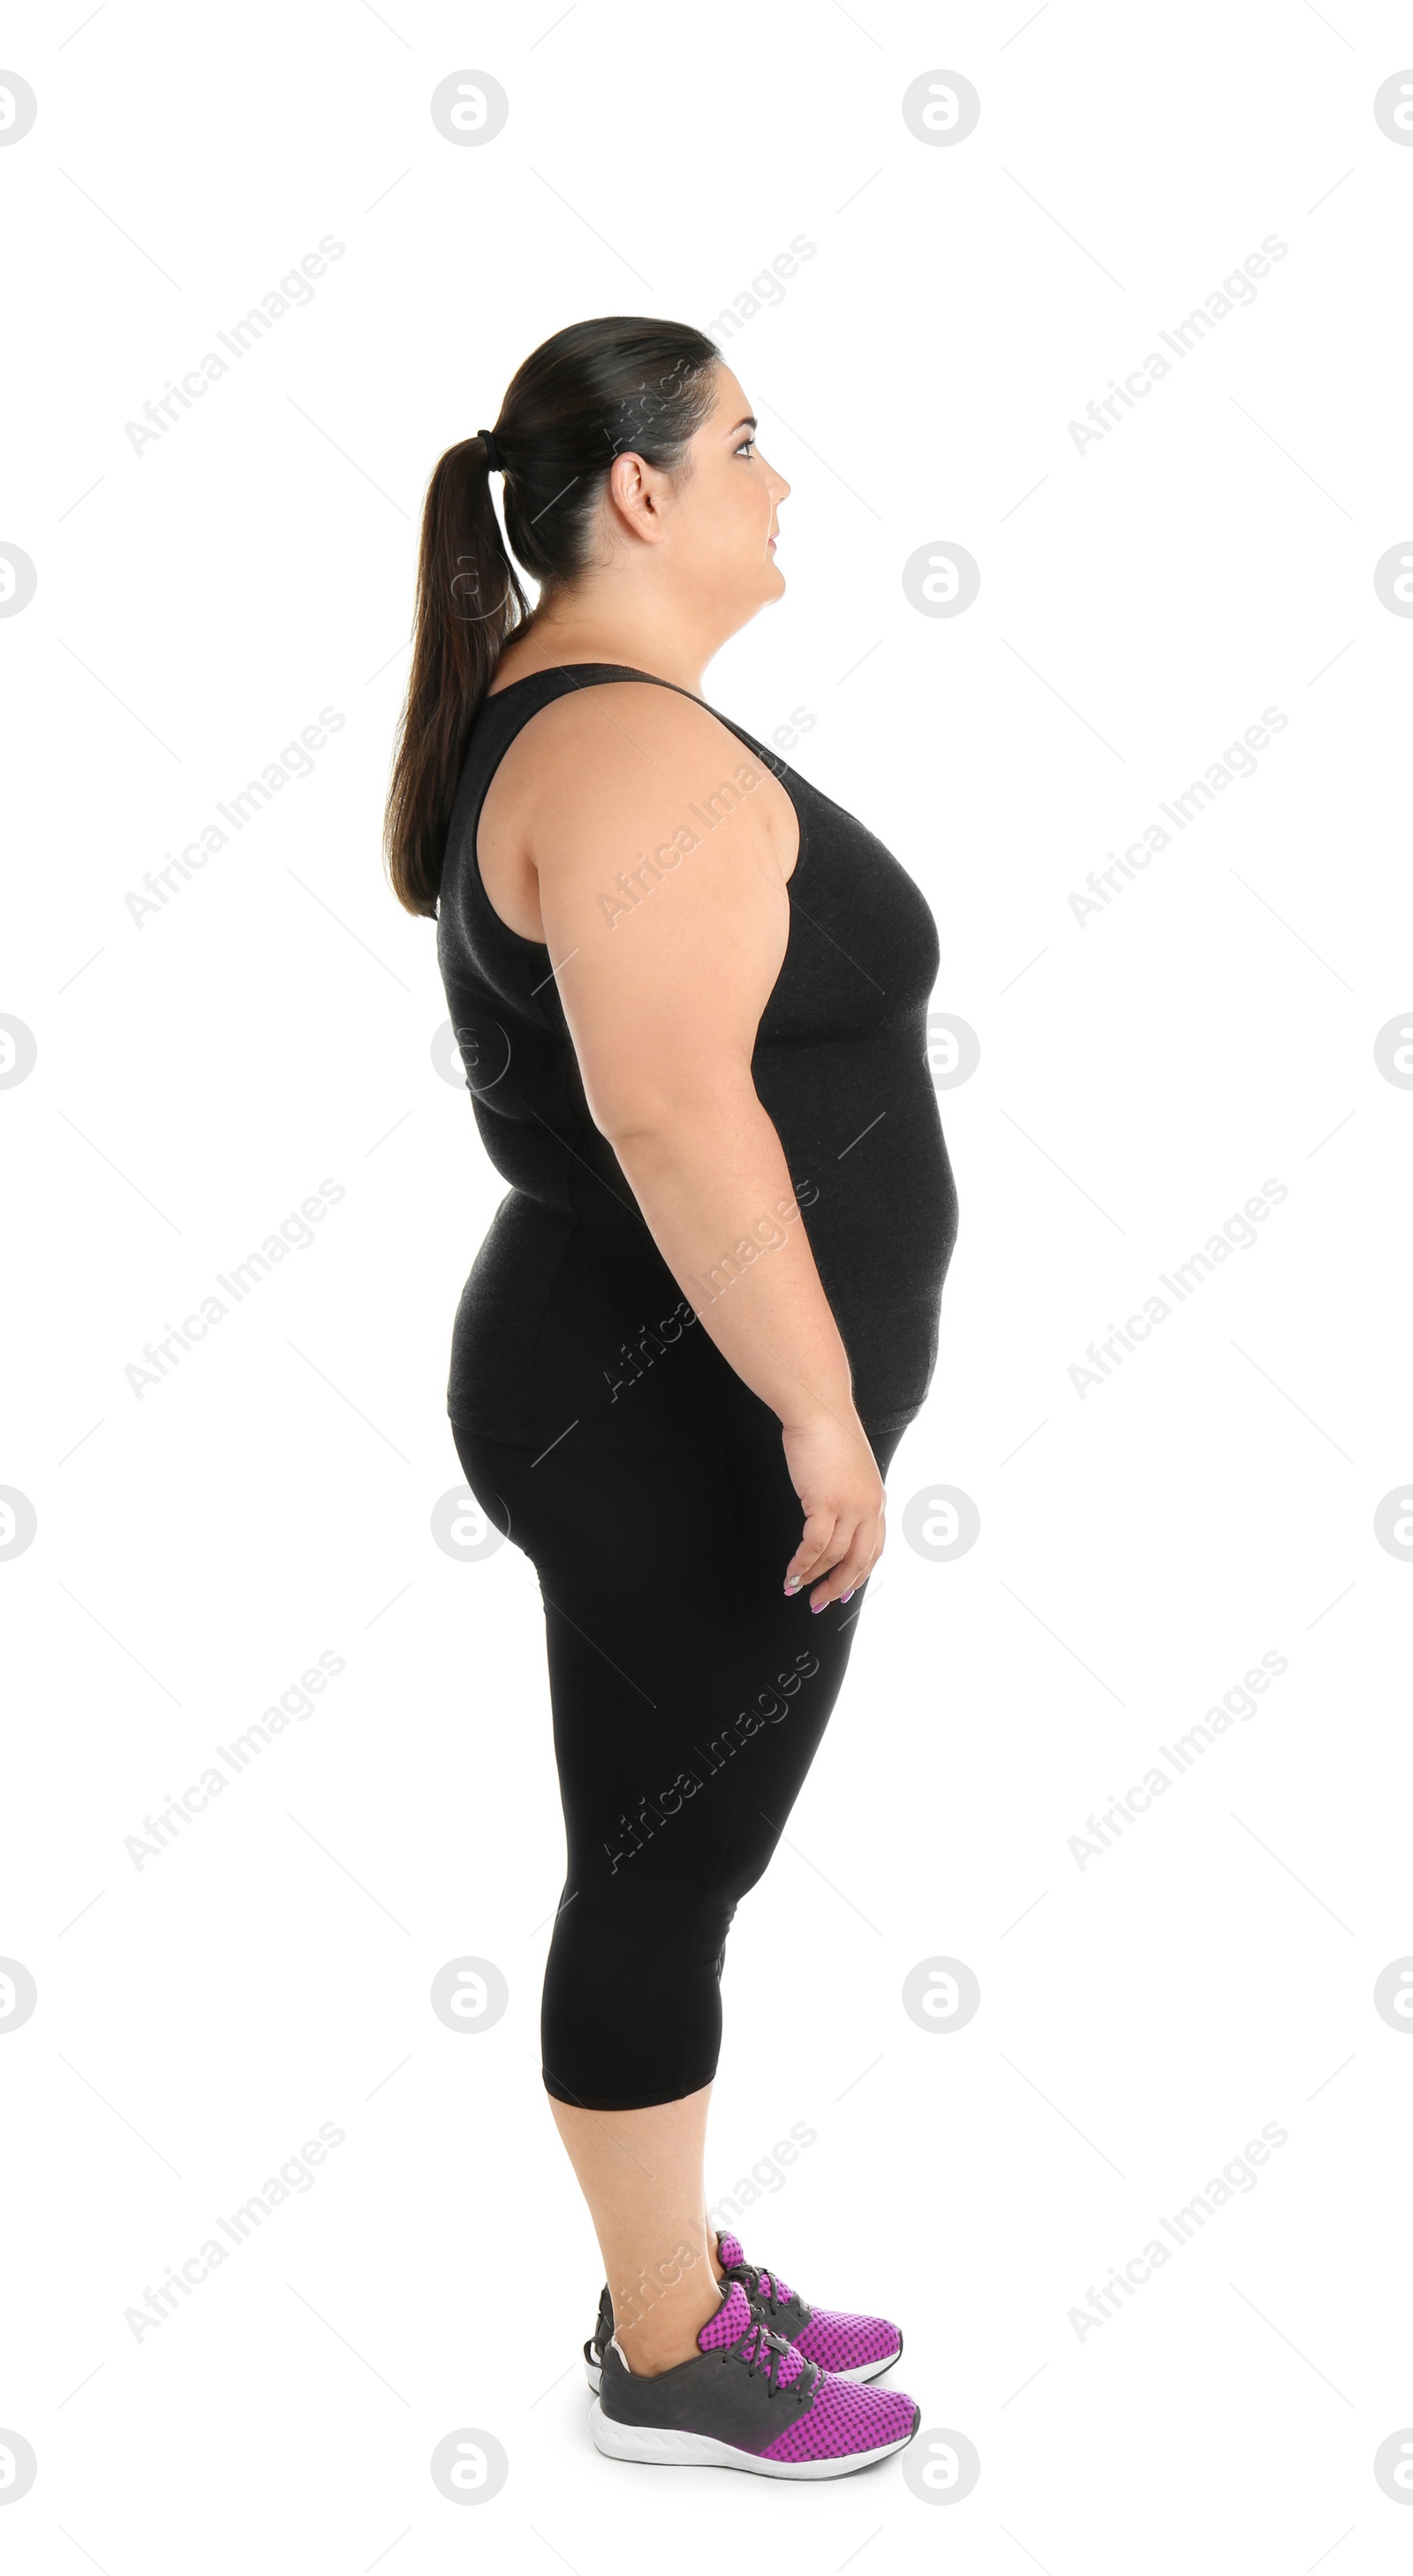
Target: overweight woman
{"x": 690, "y": 993}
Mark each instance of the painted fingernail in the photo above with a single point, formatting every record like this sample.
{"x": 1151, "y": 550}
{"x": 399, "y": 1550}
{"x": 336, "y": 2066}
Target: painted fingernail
{"x": 848, "y": 1596}
{"x": 817, "y": 1606}
{"x": 792, "y": 1582}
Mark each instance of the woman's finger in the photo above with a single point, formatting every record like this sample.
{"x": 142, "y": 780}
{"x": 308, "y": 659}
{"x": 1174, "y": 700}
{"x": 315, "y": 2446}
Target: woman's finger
{"x": 850, "y": 1567}
{"x": 816, "y": 1551}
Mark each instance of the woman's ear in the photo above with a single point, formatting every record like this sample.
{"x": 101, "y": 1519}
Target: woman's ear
{"x": 638, "y": 492}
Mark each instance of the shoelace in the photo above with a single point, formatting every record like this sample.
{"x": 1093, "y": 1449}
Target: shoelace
{"x": 750, "y": 2277}
{"x": 759, "y": 2348}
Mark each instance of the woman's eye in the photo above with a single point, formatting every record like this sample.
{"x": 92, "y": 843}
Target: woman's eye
{"x": 747, "y": 447}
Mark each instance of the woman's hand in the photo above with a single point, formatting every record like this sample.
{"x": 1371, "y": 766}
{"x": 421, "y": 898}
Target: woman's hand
{"x": 835, "y": 1474}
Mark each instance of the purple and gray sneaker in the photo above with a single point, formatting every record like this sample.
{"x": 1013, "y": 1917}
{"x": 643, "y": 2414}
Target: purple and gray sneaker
{"x": 848, "y": 2347}
{"x": 749, "y": 2400}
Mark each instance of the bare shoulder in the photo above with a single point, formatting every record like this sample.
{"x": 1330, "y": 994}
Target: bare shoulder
{"x": 636, "y": 760}
{"x": 661, "y": 892}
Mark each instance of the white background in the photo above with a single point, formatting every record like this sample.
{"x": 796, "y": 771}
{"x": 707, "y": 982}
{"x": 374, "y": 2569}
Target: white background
{"x": 1213, "y": 1500}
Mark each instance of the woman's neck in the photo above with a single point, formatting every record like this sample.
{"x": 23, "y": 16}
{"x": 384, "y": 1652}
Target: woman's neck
{"x": 588, "y": 632}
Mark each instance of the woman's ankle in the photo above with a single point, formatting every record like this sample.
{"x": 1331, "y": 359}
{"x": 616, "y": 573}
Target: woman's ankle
{"x": 667, "y": 2353}
{"x": 667, "y": 2334}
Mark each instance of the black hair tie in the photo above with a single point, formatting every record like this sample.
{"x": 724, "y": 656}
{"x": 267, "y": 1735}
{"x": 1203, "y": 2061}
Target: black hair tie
{"x": 487, "y": 439}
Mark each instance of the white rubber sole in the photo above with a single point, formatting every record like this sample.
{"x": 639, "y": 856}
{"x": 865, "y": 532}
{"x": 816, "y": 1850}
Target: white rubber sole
{"x": 667, "y": 2450}
{"x": 860, "y": 2377}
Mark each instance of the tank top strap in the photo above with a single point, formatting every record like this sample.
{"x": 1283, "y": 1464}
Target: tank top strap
{"x": 500, "y": 717}
{"x": 498, "y": 720}
{"x": 510, "y": 709}
{"x": 505, "y": 714}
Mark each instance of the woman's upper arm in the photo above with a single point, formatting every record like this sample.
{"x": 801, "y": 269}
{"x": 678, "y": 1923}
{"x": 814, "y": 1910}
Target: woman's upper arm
{"x": 661, "y": 897}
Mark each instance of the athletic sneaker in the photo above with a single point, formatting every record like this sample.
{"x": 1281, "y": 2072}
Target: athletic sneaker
{"x": 848, "y": 2347}
{"x": 748, "y": 2401}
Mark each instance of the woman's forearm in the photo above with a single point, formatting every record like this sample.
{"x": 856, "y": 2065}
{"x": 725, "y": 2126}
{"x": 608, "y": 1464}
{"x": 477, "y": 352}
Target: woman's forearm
{"x": 711, "y": 1180}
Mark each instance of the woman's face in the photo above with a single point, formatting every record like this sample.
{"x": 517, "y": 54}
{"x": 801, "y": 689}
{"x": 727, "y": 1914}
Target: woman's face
{"x": 717, "y": 517}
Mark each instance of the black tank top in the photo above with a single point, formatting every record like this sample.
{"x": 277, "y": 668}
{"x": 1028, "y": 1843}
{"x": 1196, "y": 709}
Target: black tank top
{"x": 571, "y": 1317}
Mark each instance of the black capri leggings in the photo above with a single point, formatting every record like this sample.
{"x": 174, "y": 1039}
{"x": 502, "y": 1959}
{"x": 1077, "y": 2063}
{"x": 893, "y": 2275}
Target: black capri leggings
{"x": 689, "y": 1696}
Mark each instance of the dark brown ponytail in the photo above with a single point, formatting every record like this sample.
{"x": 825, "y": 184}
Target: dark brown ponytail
{"x": 593, "y": 392}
